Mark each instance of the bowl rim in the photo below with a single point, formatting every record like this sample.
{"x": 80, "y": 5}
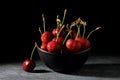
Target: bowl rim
{"x": 82, "y": 52}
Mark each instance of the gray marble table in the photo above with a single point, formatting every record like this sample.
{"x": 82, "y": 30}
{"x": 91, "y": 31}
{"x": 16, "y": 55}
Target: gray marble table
{"x": 96, "y": 68}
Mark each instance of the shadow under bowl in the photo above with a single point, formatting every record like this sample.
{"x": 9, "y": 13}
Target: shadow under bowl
{"x": 64, "y": 63}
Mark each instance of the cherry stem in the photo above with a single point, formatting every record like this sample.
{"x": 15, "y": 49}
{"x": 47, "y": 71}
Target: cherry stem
{"x": 33, "y": 51}
{"x": 64, "y": 16}
{"x": 67, "y": 27}
{"x": 93, "y": 31}
{"x": 57, "y": 21}
{"x": 43, "y": 18}
{"x": 60, "y": 31}
{"x": 78, "y": 32}
{"x": 83, "y": 31}
{"x": 66, "y": 37}
{"x": 72, "y": 24}
{"x": 40, "y": 31}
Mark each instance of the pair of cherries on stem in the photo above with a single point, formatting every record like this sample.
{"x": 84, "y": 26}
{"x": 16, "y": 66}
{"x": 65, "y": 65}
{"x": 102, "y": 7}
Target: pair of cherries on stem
{"x": 29, "y": 64}
{"x": 79, "y": 42}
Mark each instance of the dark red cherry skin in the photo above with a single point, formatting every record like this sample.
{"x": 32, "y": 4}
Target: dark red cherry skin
{"x": 73, "y": 34}
{"x": 28, "y": 65}
{"x": 73, "y": 45}
{"x": 84, "y": 41}
{"x": 53, "y": 46}
{"x": 59, "y": 40}
{"x": 43, "y": 46}
{"x": 46, "y": 37}
{"x": 56, "y": 31}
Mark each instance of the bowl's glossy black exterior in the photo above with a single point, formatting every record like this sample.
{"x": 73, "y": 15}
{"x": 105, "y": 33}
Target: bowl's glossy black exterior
{"x": 63, "y": 62}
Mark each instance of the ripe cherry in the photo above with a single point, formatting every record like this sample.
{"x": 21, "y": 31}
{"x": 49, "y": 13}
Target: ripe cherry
{"x": 59, "y": 40}
{"x": 55, "y": 31}
{"x": 73, "y": 45}
{"x": 43, "y": 46}
{"x": 53, "y": 46}
{"x": 73, "y": 34}
{"x": 84, "y": 42}
{"x": 59, "y": 31}
{"x": 29, "y": 64}
{"x": 46, "y": 37}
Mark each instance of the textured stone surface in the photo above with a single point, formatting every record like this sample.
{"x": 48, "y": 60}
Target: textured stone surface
{"x": 96, "y": 68}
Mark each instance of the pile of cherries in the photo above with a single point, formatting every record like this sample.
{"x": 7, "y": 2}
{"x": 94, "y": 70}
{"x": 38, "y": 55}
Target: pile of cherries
{"x": 63, "y": 39}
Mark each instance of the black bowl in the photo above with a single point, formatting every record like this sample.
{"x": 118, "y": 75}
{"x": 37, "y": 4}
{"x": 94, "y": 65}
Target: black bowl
{"x": 64, "y": 62}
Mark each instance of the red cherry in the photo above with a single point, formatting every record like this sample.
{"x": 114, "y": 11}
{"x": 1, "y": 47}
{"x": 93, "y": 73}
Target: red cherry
{"x": 46, "y": 37}
{"x": 28, "y": 65}
{"x": 84, "y": 41}
{"x": 43, "y": 46}
{"x": 73, "y": 45}
{"x": 73, "y": 34}
{"x": 53, "y": 46}
{"x": 56, "y": 31}
{"x": 59, "y": 40}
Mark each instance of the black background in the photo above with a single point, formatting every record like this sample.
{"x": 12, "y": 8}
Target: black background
{"x": 20, "y": 21}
